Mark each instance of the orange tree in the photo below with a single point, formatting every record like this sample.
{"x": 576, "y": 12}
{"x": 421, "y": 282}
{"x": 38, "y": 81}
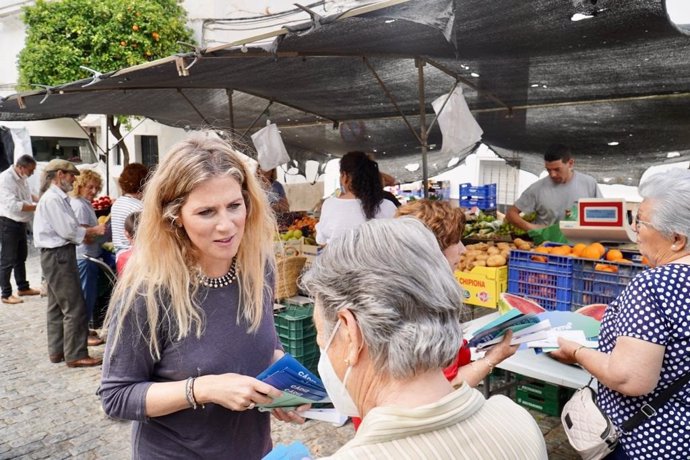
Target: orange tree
{"x": 104, "y": 35}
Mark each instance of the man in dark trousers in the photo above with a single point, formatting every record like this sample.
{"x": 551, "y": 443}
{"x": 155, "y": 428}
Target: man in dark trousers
{"x": 17, "y": 206}
{"x": 56, "y": 234}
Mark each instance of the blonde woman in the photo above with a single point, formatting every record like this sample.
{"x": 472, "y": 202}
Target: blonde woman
{"x": 191, "y": 321}
{"x": 86, "y": 186}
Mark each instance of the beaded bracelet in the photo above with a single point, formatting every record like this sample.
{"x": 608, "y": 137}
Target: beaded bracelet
{"x": 189, "y": 392}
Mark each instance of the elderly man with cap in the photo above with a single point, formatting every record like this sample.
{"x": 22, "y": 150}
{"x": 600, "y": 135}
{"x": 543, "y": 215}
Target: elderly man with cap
{"x": 17, "y": 206}
{"x": 56, "y": 234}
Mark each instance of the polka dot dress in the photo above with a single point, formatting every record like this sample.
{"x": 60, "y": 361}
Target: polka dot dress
{"x": 654, "y": 307}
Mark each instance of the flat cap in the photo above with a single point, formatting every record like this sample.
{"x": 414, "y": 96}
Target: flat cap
{"x": 61, "y": 165}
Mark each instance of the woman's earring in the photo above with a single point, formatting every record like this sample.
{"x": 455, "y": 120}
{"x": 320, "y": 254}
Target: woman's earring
{"x": 347, "y": 362}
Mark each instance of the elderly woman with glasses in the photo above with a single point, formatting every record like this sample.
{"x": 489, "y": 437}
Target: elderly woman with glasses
{"x": 644, "y": 342}
{"x": 386, "y": 331}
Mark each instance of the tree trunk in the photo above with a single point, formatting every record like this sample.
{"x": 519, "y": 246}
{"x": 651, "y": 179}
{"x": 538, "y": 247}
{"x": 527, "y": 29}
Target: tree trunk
{"x": 114, "y": 127}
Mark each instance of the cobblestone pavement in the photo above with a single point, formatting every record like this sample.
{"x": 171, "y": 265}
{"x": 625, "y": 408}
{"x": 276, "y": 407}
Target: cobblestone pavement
{"x": 49, "y": 411}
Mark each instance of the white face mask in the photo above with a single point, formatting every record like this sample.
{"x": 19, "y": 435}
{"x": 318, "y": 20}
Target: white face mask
{"x": 336, "y": 389}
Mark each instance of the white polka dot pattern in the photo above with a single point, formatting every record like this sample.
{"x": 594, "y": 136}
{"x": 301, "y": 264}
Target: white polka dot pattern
{"x": 654, "y": 307}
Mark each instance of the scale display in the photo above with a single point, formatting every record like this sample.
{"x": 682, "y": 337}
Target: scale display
{"x": 600, "y": 219}
{"x": 601, "y": 214}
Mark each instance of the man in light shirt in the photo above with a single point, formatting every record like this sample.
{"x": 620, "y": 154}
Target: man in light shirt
{"x": 17, "y": 206}
{"x": 56, "y": 233}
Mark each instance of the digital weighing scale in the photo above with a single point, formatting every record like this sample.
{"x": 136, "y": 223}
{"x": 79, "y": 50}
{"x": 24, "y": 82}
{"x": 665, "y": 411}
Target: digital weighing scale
{"x": 601, "y": 219}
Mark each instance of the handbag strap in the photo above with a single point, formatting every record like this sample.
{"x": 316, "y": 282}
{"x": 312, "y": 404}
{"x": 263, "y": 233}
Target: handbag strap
{"x": 648, "y": 410}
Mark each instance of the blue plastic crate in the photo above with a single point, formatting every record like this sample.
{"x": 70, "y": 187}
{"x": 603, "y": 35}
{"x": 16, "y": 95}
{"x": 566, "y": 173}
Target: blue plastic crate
{"x": 593, "y": 286}
{"x": 549, "y": 283}
{"x": 483, "y": 204}
{"x": 487, "y": 191}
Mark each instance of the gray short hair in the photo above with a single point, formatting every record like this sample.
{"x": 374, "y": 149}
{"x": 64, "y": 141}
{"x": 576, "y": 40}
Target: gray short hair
{"x": 393, "y": 277}
{"x": 670, "y": 191}
{"x": 25, "y": 161}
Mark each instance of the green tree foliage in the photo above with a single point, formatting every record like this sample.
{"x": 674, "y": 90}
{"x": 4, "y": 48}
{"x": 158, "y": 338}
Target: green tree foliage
{"x": 104, "y": 35}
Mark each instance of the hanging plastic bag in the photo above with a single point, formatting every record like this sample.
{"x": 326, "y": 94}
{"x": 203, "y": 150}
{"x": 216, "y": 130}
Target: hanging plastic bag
{"x": 270, "y": 147}
{"x": 458, "y": 127}
{"x": 551, "y": 233}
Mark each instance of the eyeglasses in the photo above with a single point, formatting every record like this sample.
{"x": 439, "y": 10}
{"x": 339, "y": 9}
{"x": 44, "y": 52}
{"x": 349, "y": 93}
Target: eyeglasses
{"x": 639, "y": 222}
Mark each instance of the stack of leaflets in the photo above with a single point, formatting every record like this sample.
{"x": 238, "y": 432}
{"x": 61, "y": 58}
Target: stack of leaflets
{"x": 525, "y": 327}
{"x": 298, "y": 384}
{"x": 569, "y": 325}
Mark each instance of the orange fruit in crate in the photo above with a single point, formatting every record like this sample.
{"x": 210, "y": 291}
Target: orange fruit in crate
{"x": 590, "y": 252}
{"x": 561, "y": 250}
{"x": 578, "y": 248}
{"x": 606, "y": 268}
{"x": 624, "y": 261}
{"x": 614, "y": 255}
{"x": 645, "y": 261}
{"x": 540, "y": 259}
{"x": 542, "y": 250}
{"x": 600, "y": 247}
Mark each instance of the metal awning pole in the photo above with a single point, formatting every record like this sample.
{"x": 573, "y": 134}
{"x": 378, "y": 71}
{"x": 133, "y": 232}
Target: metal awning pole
{"x": 107, "y": 155}
{"x": 231, "y": 109}
{"x": 424, "y": 134}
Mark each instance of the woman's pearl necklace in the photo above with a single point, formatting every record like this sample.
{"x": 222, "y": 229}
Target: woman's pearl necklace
{"x": 221, "y": 281}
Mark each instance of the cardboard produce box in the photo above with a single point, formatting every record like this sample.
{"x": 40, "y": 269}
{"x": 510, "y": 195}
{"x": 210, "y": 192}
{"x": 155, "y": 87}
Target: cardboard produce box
{"x": 483, "y": 285}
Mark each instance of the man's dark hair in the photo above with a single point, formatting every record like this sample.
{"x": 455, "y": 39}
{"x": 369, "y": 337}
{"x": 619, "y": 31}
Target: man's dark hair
{"x": 558, "y": 152}
{"x": 25, "y": 160}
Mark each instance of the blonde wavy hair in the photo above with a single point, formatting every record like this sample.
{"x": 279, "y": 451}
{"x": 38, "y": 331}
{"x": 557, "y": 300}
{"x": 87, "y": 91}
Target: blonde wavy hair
{"x": 161, "y": 269}
{"x": 85, "y": 177}
{"x": 446, "y": 222}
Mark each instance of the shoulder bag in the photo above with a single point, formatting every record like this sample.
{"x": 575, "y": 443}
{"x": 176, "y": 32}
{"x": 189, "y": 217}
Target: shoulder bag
{"x": 591, "y": 432}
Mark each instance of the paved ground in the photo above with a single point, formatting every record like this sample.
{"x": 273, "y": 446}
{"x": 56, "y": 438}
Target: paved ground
{"x": 49, "y": 411}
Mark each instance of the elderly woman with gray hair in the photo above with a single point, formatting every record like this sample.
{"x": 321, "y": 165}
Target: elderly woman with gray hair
{"x": 644, "y": 341}
{"x": 386, "y": 332}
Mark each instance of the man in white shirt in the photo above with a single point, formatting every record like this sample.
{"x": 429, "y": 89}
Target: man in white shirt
{"x": 17, "y": 206}
{"x": 56, "y": 233}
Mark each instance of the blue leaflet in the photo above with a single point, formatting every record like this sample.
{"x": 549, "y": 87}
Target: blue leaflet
{"x": 298, "y": 384}
{"x": 294, "y": 451}
{"x": 513, "y": 320}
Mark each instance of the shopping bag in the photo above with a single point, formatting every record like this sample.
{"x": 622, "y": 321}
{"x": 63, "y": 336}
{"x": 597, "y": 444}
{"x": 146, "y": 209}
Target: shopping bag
{"x": 270, "y": 147}
{"x": 590, "y": 431}
{"x": 551, "y": 233}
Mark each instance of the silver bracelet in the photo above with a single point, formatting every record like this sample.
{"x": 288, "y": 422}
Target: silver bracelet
{"x": 189, "y": 392}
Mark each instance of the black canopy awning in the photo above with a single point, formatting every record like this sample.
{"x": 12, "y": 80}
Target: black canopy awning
{"x": 616, "y": 86}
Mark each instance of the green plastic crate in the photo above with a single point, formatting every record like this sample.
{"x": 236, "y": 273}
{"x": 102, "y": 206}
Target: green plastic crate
{"x": 546, "y": 406}
{"x": 295, "y": 322}
{"x": 542, "y": 390}
{"x": 300, "y": 347}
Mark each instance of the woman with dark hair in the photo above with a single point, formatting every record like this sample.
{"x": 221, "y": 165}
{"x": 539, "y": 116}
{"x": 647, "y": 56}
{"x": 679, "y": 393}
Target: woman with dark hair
{"x": 131, "y": 181}
{"x": 362, "y": 198}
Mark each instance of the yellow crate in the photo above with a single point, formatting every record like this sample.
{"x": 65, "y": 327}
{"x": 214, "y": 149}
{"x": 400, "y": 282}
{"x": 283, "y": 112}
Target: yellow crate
{"x": 483, "y": 285}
